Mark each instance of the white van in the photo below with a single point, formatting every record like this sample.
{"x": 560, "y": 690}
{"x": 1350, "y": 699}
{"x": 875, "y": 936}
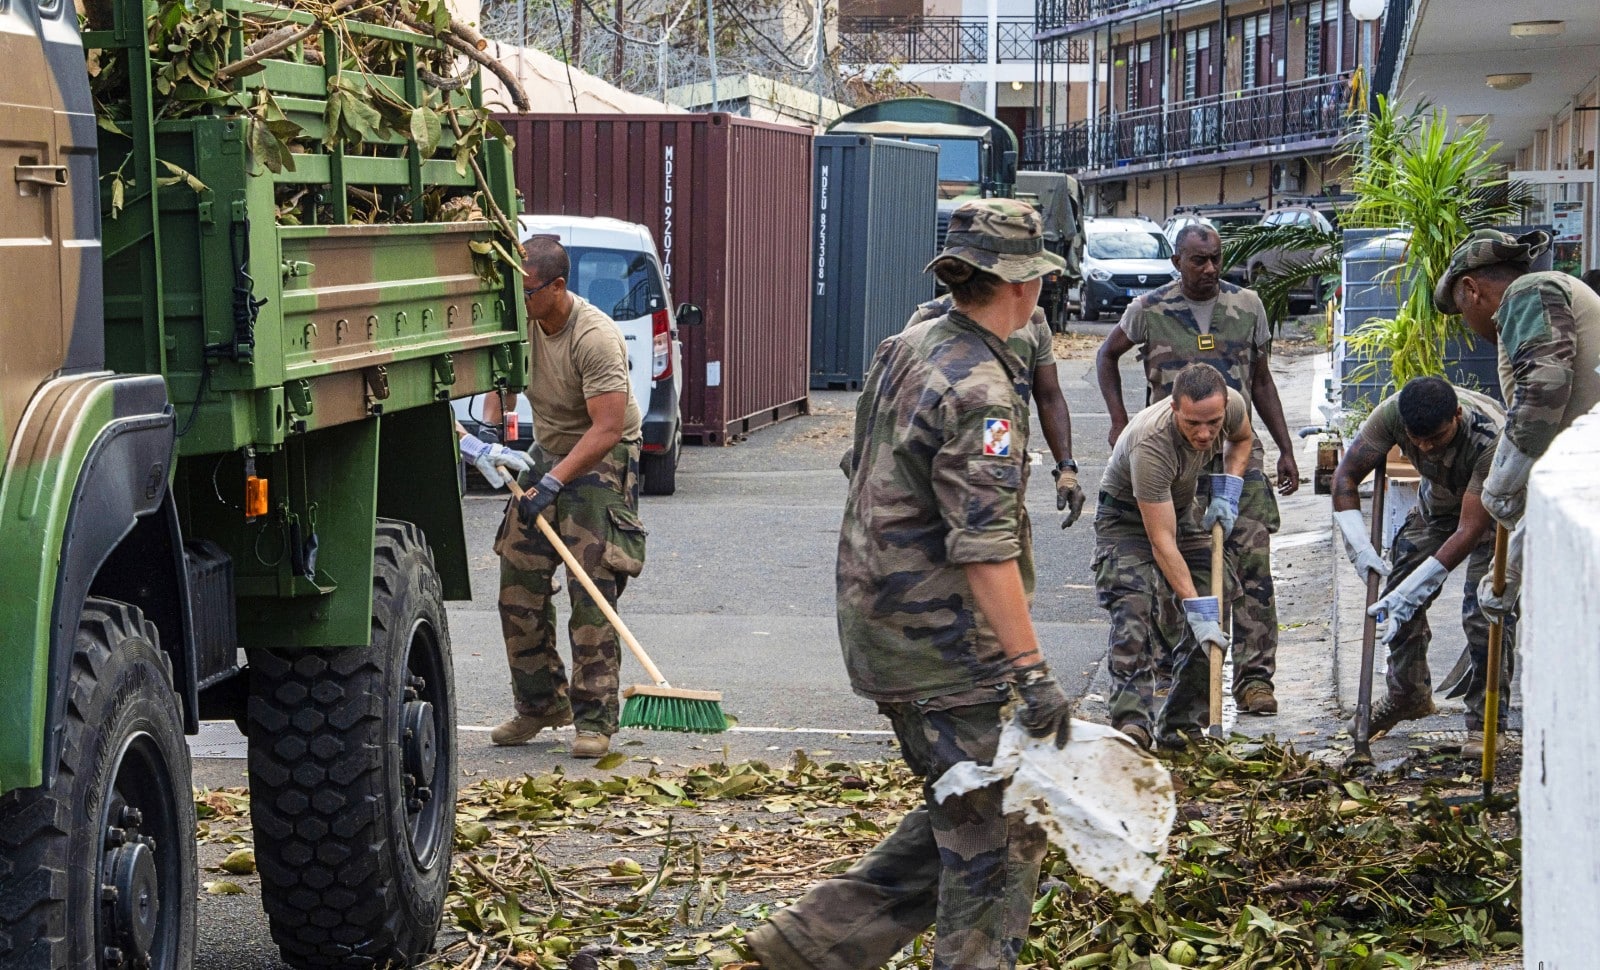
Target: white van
{"x": 1122, "y": 259}
{"x": 615, "y": 266}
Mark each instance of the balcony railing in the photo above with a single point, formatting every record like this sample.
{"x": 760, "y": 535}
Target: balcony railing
{"x": 940, "y": 40}
{"x": 1314, "y": 109}
{"x": 1065, "y": 13}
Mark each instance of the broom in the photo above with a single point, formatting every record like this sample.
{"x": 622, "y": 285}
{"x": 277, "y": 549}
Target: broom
{"x": 657, "y": 706}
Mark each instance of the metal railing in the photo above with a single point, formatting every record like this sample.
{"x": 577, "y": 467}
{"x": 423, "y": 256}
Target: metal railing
{"x": 1314, "y": 109}
{"x": 941, "y": 40}
{"x": 1051, "y": 14}
{"x": 1391, "y": 46}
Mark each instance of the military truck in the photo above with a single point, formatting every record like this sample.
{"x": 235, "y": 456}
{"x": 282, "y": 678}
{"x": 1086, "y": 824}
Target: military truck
{"x": 978, "y": 160}
{"x": 234, "y": 317}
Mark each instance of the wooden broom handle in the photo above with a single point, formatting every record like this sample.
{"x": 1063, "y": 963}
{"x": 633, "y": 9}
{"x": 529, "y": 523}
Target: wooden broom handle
{"x": 577, "y": 572}
{"x": 1214, "y": 654}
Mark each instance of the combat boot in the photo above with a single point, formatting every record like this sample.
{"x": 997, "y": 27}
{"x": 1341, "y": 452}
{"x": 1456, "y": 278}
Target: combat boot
{"x": 1137, "y": 733}
{"x": 1393, "y": 709}
{"x": 1473, "y": 748}
{"x": 522, "y": 728}
{"x": 590, "y": 744}
{"x": 1257, "y": 698}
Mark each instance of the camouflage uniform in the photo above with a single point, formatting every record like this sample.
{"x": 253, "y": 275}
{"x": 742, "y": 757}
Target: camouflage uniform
{"x": 1147, "y": 621}
{"x": 597, "y": 517}
{"x": 1446, "y": 478}
{"x": 1163, "y": 323}
{"x": 937, "y": 476}
{"x": 1034, "y": 344}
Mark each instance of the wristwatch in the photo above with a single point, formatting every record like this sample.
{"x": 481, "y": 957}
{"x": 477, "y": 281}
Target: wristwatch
{"x": 1066, "y": 465}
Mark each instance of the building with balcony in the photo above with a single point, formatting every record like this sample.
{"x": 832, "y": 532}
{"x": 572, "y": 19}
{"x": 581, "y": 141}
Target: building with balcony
{"x": 980, "y": 53}
{"x": 1531, "y": 74}
{"x": 1196, "y": 102}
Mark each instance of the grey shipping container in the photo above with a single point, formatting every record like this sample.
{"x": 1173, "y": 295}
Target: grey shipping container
{"x": 729, "y": 202}
{"x": 871, "y": 237}
{"x": 1374, "y": 289}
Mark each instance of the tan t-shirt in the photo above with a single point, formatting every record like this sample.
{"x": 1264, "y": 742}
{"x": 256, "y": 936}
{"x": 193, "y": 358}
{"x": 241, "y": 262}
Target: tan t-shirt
{"x": 1153, "y": 462}
{"x": 586, "y": 358}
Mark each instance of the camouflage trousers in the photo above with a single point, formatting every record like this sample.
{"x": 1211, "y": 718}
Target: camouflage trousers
{"x": 597, "y": 517}
{"x": 963, "y": 867}
{"x": 1418, "y": 539}
{"x": 1249, "y": 549}
{"x": 1147, "y": 624}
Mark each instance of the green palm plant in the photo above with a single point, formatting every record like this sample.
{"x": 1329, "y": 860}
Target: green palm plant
{"x": 1324, "y": 249}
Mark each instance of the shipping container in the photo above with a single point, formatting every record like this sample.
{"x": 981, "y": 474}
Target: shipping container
{"x": 729, "y": 202}
{"x": 872, "y": 234}
{"x": 1375, "y": 289}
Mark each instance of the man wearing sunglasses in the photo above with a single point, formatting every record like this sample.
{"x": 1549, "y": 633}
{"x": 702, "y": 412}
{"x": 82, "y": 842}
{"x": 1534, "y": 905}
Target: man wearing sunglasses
{"x": 584, "y": 475}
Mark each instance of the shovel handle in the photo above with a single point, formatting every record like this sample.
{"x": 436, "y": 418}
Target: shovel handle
{"x": 1491, "y": 687}
{"x": 1214, "y": 654}
{"x": 577, "y": 572}
{"x": 1369, "y": 626}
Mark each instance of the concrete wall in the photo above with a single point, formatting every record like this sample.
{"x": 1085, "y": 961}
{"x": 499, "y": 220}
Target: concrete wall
{"x": 1560, "y": 680}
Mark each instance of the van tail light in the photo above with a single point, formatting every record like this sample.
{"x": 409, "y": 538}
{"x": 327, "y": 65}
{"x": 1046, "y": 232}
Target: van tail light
{"x": 660, "y": 345}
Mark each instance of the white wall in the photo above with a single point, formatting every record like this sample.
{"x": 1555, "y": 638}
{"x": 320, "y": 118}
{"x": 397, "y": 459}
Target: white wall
{"x": 1560, "y": 666}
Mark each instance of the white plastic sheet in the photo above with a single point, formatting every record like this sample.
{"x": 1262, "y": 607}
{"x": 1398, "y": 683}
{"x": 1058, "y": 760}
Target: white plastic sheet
{"x": 1106, "y": 802}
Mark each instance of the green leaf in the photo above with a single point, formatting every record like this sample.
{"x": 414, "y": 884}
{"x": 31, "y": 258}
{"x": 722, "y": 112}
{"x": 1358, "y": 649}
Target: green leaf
{"x": 426, "y": 129}
{"x": 611, "y": 760}
{"x": 240, "y": 862}
{"x": 223, "y": 887}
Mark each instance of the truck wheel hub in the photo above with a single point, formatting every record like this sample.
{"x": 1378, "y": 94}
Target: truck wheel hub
{"x": 421, "y": 741}
{"x": 135, "y": 904}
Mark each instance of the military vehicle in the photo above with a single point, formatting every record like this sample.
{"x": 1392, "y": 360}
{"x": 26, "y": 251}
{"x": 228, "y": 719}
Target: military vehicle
{"x": 233, "y": 322}
{"x": 978, "y": 160}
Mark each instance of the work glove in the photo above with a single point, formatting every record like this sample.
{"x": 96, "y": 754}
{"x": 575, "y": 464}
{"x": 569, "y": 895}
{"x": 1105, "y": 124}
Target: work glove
{"x": 1505, "y": 489}
{"x": 1405, "y": 599}
{"x": 538, "y": 498}
{"x": 1497, "y": 608}
{"x": 1046, "y": 711}
{"x": 1357, "y": 545}
{"x": 1068, "y": 494}
{"x": 496, "y": 463}
{"x": 1204, "y": 614}
{"x": 1224, "y": 505}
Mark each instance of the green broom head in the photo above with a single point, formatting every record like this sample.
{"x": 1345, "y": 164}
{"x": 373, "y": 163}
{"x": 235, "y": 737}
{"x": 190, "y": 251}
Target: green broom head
{"x": 670, "y": 709}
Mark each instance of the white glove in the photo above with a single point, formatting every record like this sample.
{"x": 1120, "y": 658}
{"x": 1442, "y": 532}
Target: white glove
{"x": 1394, "y": 610}
{"x": 1357, "y": 544}
{"x": 1204, "y": 614}
{"x": 1505, "y": 490}
{"x": 494, "y": 461}
{"x": 1498, "y": 607}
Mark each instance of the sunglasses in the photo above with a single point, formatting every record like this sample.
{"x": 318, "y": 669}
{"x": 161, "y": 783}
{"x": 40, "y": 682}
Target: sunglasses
{"x": 527, "y": 294}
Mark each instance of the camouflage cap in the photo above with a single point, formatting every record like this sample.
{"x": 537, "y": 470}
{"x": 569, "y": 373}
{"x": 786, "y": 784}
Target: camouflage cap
{"x": 1486, "y": 247}
{"x": 1000, "y": 236}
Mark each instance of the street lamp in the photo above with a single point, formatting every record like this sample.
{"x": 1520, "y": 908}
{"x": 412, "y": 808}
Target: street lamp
{"x": 1366, "y": 13}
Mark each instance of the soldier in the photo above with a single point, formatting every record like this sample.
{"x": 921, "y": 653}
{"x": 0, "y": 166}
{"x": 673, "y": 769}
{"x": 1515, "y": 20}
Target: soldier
{"x": 1547, "y": 326}
{"x": 1449, "y": 434}
{"x": 1034, "y": 345}
{"x": 586, "y": 471}
{"x": 934, "y": 576}
{"x": 1152, "y": 554}
{"x": 1200, "y": 317}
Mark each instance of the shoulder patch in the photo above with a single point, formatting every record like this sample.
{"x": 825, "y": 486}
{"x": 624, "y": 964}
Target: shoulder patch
{"x": 997, "y": 437}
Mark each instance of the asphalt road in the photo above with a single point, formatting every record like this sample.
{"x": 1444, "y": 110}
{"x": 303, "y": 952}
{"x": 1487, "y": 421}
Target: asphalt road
{"x": 737, "y": 596}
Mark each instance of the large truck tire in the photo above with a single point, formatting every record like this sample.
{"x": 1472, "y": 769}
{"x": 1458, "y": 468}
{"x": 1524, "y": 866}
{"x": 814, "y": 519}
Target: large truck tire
{"x": 97, "y": 870}
{"x": 353, "y": 775}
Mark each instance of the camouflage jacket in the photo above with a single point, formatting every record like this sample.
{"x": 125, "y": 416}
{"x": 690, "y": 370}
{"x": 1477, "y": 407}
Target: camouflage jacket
{"x": 1549, "y": 328}
{"x": 937, "y": 482}
{"x": 1460, "y": 469}
{"x": 1033, "y": 344}
{"x": 1162, "y": 323}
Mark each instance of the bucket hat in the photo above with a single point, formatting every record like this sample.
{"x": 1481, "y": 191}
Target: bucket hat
{"x": 1000, "y": 236}
{"x": 1486, "y": 247}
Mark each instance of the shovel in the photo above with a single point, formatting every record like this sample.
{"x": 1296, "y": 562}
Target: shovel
{"x": 1215, "y": 653}
{"x": 1362, "y": 755}
{"x": 1491, "y": 689}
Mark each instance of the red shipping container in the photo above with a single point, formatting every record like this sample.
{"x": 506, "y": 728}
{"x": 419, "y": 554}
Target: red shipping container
{"x": 729, "y": 202}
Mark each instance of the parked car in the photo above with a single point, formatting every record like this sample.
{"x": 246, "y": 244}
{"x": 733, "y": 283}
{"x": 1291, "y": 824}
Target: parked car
{"x": 1122, "y": 260}
{"x": 615, "y": 266}
{"x": 1225, "y": 218}
{"x": 1320, "y": 214}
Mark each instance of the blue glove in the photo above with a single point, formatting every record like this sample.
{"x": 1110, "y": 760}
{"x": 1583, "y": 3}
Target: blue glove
{"x": 496, "y": 463}
{"x": 1204, "y": 614}
{"x": 538, "y": 498}
{"x": 1405, "y": 599}
{"x": 1224, "y": 506}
